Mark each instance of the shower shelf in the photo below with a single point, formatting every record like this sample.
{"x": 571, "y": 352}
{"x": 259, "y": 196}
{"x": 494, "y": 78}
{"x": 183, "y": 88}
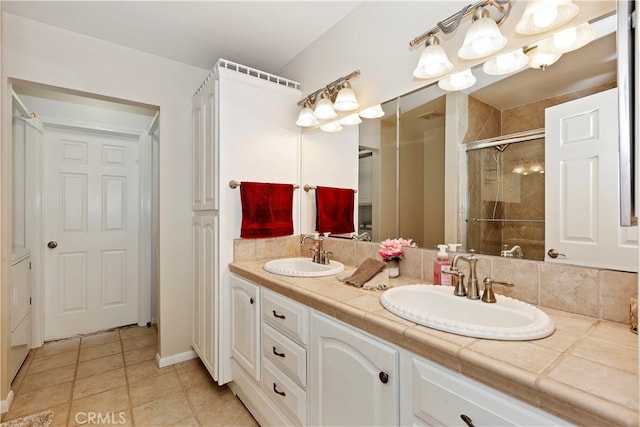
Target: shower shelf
{"x": 506, "y": 220}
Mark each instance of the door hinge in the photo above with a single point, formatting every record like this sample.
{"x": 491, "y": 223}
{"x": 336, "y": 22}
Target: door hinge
{"x": 29, "y": 300}
{"x": 29, "y": 265}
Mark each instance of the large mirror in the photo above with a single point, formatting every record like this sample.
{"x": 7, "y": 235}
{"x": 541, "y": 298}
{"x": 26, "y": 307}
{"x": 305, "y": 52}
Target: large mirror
{"x": 493, "y": 136}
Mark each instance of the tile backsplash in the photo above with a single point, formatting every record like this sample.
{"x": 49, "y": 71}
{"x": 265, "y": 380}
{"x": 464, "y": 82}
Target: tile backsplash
{"x": 593, "y": 292}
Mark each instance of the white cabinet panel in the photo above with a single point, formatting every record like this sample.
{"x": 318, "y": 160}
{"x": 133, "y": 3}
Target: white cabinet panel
{"x": 285, "y": 393}
{"x": 285, "y": 315}
{"x": 290, "y": 357}
{"x": 353, "y": 377}
{"x": 245, "y": 325}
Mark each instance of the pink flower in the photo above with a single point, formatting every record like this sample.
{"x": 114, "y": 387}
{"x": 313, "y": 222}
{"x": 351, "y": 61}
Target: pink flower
{"x": 392, "y": 249}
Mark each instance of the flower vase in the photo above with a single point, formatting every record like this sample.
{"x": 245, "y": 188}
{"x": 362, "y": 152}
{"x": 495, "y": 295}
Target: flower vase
{"x": 393, "y": 267}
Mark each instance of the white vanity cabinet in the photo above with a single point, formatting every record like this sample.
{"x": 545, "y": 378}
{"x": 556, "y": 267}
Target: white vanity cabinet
{"x": 205, "y": 149}
{"x": 245, "y": 325}
{"x": 353, "y": 376}
{"x": 440, "y": 397}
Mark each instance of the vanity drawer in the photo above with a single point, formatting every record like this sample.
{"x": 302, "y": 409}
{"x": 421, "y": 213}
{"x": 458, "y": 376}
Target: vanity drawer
{"x": 443, "y": 397}
{"x": 285, "y": 315}
{"x": 284, "y": 392}
{"x": 290, "y": 357}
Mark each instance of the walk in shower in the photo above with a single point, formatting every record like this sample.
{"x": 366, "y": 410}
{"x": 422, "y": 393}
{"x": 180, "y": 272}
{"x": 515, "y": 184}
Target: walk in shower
{"x": 505, "y": 197}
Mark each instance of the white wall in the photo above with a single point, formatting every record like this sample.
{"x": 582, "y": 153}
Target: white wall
{"x": 41, "y": 53}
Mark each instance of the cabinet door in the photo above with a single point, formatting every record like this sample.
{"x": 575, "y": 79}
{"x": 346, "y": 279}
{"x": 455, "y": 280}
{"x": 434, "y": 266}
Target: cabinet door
{"x": 209, "y": 153}
{"x": 204, "y": 336}
{"x": 353, "y": 377}
{"x": 245, "y": 325}
{"x": 197, "y": 136}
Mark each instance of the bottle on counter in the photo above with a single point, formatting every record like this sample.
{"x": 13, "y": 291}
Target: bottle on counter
{"x": 442, "y": 262}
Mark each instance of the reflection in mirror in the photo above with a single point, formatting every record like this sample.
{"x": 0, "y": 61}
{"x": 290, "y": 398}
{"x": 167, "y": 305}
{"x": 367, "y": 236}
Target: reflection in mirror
{"x": 408, "y": 145}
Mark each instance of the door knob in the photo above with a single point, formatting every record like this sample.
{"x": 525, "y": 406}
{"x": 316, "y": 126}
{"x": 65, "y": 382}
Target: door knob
{"x": 553, "y": 253}
{"x": 52, "y": 245}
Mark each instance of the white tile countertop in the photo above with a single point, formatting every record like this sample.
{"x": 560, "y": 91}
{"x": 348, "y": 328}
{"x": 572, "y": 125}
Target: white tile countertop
{"x": 585, "y": 372}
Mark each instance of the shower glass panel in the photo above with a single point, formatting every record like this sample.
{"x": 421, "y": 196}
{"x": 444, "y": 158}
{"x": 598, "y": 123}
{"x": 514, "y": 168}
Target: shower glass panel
{"x": 506, "y": 199}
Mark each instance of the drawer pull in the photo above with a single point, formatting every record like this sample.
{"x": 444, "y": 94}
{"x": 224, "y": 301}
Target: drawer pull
{"x": 250, "y": 300}
{"x": 384, "y": 377}
{"x": 279, "y": 316}
{"x": 275, "y": 389}
{"x": 466, "y": 419}
{"x": 276, "y": 353}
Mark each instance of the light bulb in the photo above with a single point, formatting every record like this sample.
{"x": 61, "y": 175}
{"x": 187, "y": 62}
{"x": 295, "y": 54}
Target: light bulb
{"x": 544, "y": 17}
{"x": 458, "y": 80}
{"x": 481, "y": 46}
{"x": 331, "y": 127}
{"x": 506, "y": 61}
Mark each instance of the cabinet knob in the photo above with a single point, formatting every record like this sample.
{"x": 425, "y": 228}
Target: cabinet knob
{"x": 384, "y": 377}
{"x": 467, "y": 420}
{"x": 250, "y": 300}
{"x": 52, "y": 245}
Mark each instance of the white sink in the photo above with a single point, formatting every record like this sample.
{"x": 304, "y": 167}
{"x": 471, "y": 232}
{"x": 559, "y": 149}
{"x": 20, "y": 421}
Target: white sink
{"x": 438, "y": 308}
{"x": 302, "y": 267}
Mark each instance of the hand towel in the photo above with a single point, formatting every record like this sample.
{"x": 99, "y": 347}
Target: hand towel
{"x": 267, "y": 209}
{"x": 380, "y": 282}
{"x": 334, "y": 210}
{"x": 367, "y": 271}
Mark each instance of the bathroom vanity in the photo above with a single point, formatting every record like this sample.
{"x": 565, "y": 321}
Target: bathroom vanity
{"x": 324, "y": 353}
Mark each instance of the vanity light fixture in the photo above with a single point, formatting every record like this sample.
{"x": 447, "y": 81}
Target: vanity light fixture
{"x": 544, "y": 15}
{"x": 324, "y": 109}
{"x": 458, "y": 81}
{"x": 433, "y": 62}
{"x": 506, "y": 63}
{"x": 346, "y": 99}
{"x": 331, "y": 127}
{"x": 306, "y": 117}
{"x": 541, "y": 60}
{"x": 351, "y": 120}
{"x": 483, "y": 38}
{"x": 374, "y": 112}
{"x": 567, "y": 40}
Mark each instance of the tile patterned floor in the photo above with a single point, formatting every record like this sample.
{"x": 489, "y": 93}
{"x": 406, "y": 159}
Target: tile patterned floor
{"x": 111, "y": 378}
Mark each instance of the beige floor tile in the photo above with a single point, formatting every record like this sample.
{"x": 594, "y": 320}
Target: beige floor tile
{"x": 140, "y": 355}
{"x": 100, "y": 350}
{"x": 193, "y": 372}
{"x": 49, "y": 378}
{"x": 133, "y": 343}
{"x": 40, "y": 399}
{"x": 146, "y": 369}
{"x": 100, "y": 338}
{"x": 115, "y": 400}
{"x": 206, "y": 396}
{"x": 189, "y": 422}
{"x": 162, "y": 412}
{"x": 153, "y": 388}
{"x": 97, "y": 366}
{"x": 99, "y": 383}
{"x": 136, "y": 331}
{"x": 232, "y": 413}
{"x": 60, "y": 415}
{"x": 55, "y": 347}
{"x": 53, "y": 362}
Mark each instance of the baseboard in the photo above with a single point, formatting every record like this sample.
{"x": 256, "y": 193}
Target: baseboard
{"x": 176, "y": 358}
{"x": 6, "y": 404}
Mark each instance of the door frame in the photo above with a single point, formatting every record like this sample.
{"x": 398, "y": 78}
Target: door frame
{"x": 145, "y": 208}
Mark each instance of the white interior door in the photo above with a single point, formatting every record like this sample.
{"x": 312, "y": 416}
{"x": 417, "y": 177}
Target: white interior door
{"x": 91, "y": 212}
{"x": 582, "y": 187}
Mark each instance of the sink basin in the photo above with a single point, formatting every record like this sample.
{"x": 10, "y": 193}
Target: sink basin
{"x": 438, "y": 308}
{"x": 302, "y": 267}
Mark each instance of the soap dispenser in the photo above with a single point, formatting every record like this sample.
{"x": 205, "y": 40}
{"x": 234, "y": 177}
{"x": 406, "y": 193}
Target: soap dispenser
{"x": 442, "y": 262}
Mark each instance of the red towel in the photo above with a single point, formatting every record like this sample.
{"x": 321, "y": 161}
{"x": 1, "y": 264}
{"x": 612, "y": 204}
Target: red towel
{"x": 334, "y": 210}
{"x": 267, "y": 209}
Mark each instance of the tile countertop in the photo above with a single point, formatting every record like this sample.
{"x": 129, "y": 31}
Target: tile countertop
{"x": 585, "y": 372}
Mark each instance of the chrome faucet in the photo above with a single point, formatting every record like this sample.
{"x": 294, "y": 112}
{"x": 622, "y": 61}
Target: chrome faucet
{"x": 509, "y": 253}
{"x": 472, "y": 291}
{"x": 319, "y": 255}
{"x": 362, "y": 236}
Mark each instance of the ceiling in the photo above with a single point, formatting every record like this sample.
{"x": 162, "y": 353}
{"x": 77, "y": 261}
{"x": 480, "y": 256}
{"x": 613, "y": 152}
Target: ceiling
{"x": 261, "y": 34}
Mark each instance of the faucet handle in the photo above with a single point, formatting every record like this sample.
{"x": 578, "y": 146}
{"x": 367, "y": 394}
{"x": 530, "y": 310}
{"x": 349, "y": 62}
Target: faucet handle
{"x": 324, "y": 257}
{"x": 457, "y": 281}
{"x": 488, "y": 295}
